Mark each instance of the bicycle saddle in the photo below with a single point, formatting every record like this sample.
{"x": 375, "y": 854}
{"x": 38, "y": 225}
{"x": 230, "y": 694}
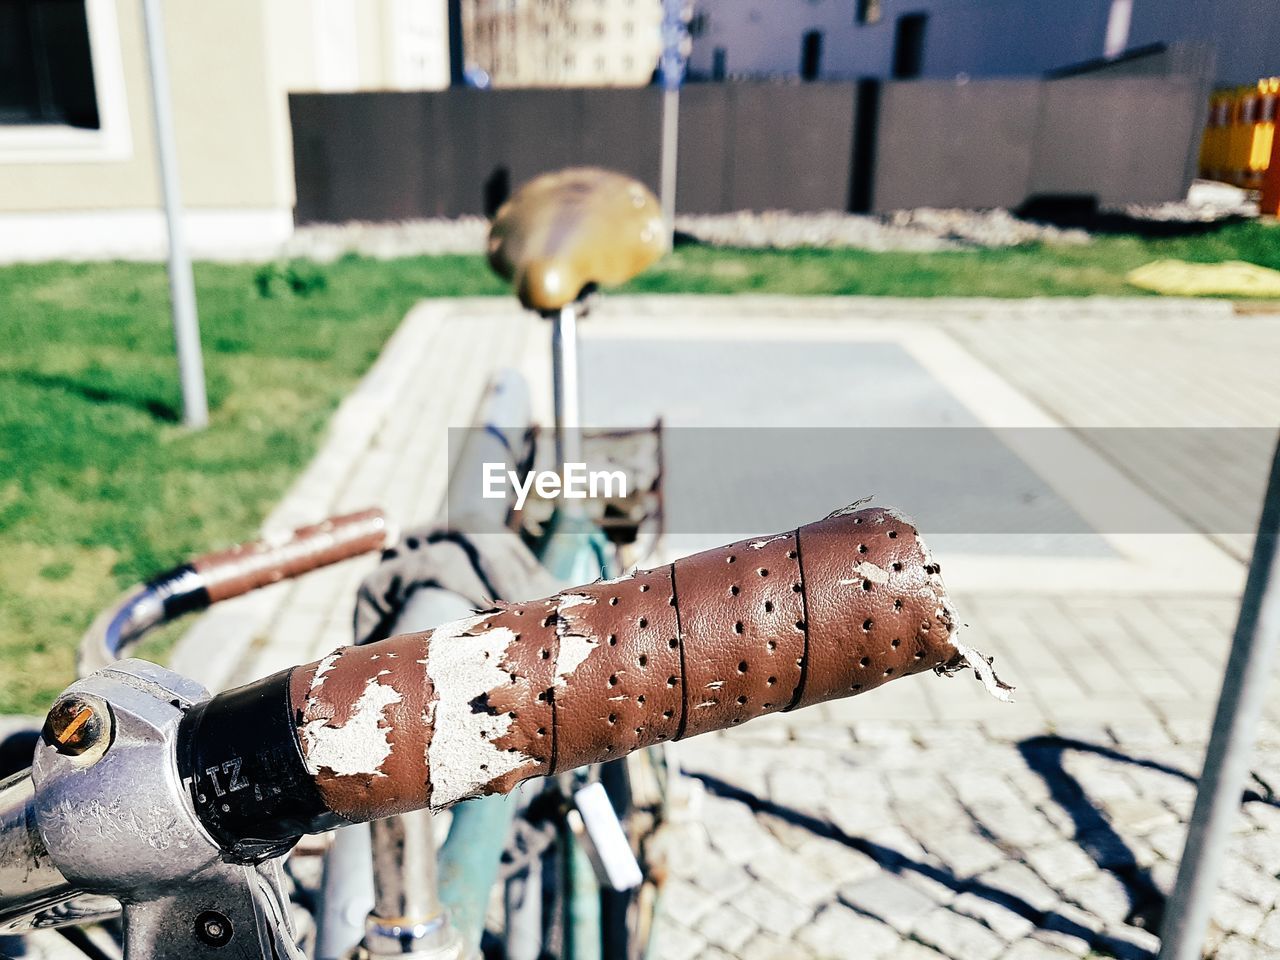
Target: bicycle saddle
{"x": 565, "y": 233}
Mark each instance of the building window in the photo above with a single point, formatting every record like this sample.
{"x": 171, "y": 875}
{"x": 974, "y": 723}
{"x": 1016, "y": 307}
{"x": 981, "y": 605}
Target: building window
{"x": 811, "y": 55}
{"x": 908, "y": 46}
{"x": 866, "y": 11}
{"x": 46, "y": 72}
{"x": 62, "y": 90}
{"x": 719, "y": 63}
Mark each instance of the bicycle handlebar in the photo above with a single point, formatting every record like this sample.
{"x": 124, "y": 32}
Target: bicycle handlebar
{"x": 828, "y": 610}
{"x": 229, "y": 573}
{"x": 222, "y": 575}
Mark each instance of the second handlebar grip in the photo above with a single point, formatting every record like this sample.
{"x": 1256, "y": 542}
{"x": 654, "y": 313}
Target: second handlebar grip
{"x": 831, "y": 609}
{"x": 240, "y": 569}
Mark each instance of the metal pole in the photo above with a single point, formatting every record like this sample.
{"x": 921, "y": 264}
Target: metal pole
{"x": 670, "y": 154}
{"x": 346, "y": 893}
{"x": 1240, "y": 704}
{"x": 405, "y": 883}
{"x": 569, "y": 554}
{"x": 675, "y": 53}
{"x": 564, "y": 372}
{"x": 409, "y": 918}
{"x": 182, "y": 290}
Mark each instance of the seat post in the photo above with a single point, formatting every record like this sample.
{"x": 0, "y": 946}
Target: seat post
{"x": 564, "y": 366}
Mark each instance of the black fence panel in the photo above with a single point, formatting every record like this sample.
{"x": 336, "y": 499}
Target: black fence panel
{"x": 1122, "y": 140}
{"x": 754, "y": 146}
{"x": 943, "y": 144}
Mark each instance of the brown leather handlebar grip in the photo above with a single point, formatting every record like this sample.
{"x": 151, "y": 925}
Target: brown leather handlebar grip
{"x": 229, "y": 573}
{"x": 832, "y": 609}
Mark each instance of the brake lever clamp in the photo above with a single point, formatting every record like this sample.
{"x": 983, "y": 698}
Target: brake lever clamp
{"x": 117, "y": 819}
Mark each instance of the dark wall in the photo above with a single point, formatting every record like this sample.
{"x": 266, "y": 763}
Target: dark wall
{"x": 753, "y": 146}
{"x": 393, "y": 156}
{"x": 943, "y": 144}
{"x": 996, "y": 143}
{"x": 1123, "y": 141}
{"x": 764, "y": 147}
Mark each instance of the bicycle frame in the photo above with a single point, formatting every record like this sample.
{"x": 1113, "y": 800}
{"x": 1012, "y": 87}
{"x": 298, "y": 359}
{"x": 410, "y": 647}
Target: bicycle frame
{"x": 458, "y": 891}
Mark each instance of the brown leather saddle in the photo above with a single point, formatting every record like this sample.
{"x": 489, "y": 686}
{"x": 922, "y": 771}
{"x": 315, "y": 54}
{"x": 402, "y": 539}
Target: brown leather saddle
{"x": 563, "y": 234}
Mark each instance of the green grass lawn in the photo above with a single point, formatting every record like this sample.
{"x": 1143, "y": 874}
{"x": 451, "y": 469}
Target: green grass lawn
{"x": 100, "y": 486}
{"x": 1098, "y": 268}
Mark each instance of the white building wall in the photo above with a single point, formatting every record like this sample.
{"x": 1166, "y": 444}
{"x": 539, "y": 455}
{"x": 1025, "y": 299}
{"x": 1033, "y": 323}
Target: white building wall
{"x": 563, "y": 43}
{"x": 417, "y": 43}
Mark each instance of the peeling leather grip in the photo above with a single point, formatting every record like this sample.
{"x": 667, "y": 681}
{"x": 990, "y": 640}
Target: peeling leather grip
{"x": 830, "y": 610}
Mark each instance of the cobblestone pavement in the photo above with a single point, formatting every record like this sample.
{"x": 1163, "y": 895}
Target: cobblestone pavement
{"x": 923, "y": 820}
{"x": 822, "y": 837}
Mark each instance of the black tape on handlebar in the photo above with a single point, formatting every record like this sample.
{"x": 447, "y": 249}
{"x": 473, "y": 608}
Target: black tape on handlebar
{"x": 238, "y": 756}
{"x": 181, "y": 590}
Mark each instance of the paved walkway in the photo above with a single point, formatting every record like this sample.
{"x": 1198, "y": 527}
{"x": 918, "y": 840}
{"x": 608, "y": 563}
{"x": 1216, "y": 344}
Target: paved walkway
{"x": 924, "y": 820}
{"x": 918, "y": 822}
{"x": 387, "y": 447}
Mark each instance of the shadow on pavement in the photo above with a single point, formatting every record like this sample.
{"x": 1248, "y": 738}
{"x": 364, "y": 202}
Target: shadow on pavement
{"x": 895, "y": 862}
{"x": 1093, "y": 832}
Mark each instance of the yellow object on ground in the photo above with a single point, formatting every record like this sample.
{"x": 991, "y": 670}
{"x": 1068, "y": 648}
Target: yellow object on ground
{"x": 1230, "y": 278}
{"x": 1239, "y": 133}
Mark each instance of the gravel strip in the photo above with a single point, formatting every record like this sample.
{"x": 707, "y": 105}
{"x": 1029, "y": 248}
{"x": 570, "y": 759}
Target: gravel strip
{"x": 922, "y": 230}
{"x": 328, "y": 241}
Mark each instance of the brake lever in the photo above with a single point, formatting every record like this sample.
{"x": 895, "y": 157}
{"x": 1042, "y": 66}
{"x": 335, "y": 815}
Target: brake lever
{"x": 117, "y": 819}
{"x": 226, "y": 904}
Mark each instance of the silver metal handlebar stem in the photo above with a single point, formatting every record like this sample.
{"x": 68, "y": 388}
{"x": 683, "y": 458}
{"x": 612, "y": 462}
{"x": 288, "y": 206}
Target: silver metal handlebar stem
{"x": 408, "y": 919}
{"x": 105, "y": 812}
{"x": 568, "y": 398}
